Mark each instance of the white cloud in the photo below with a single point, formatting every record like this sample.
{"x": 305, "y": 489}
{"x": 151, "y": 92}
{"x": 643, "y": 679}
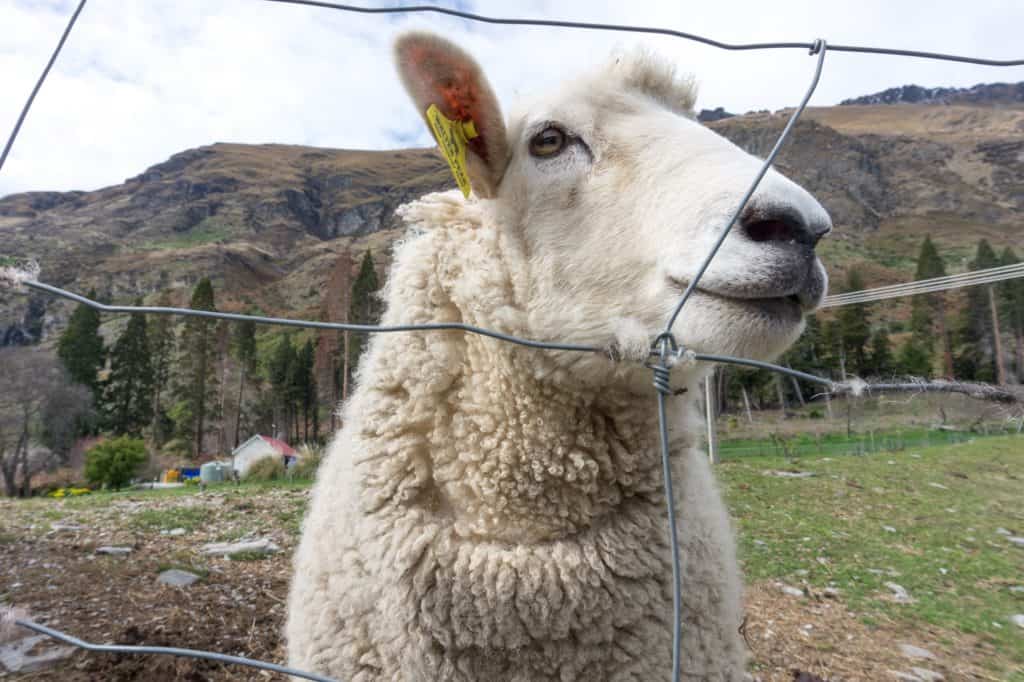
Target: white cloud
{"x": 139, "y": 81}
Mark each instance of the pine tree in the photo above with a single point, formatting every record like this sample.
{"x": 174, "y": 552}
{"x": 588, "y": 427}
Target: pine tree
{"x": 303, "y": 388}
{"x": 975, "y": 358}
{"x": 808, "y": 355}
{"x": 855, "y": 327}
{"x": 365, "y": 308}
{"x": 81, "y": 350}
{"x": 128, "y": 391}
{"x": 928, "y": 319}
{"x": 280, "y": 371}
{"x": 197, "y": 363}
{"x": 161, "y": 350}
{"x": 914, "y": 361}
{"x": 834, "y": 355}
{"x": 880, "y": 357}
{"x": 243, "y": 347}
{"x": 1012, "y": 298}
{"x": 332, "y": 353}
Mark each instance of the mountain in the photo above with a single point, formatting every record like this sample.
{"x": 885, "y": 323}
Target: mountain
{"x": 983, "y": 93}
{"x": 266, "y": 222}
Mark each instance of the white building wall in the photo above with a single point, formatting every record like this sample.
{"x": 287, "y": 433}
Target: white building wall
{"x": 249, "y": 453}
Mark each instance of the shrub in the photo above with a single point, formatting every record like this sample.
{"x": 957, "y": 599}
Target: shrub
{"x": 816, "y": 414}
{"x": 309, "y": 460}
{"x": 114, "y": 462}
{"x": 266, "y": 469}
{"x": 68, "y": 492}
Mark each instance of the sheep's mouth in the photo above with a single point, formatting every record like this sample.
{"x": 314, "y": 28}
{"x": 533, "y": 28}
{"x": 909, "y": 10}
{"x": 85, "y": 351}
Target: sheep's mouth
{"x": 784, "y": 306}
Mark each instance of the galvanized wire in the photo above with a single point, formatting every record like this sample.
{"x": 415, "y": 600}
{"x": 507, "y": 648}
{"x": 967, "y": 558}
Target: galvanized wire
{"x": 662, "y": 369}
{"x": 676, "y": 353}
{"x": 665, "y": 345}
{"x": 651, "y": 30}
{"x": 310, "y": 324}
{"x": 168, "y": 651}
{"x": 39, "y": 84}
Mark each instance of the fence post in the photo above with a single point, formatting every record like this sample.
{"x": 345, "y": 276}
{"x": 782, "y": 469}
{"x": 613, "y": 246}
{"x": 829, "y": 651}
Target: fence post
{"x": 709, "y": 412}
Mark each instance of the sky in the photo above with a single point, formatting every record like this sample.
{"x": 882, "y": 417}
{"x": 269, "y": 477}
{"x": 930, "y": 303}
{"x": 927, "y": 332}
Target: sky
{"x": 140, "y": 80}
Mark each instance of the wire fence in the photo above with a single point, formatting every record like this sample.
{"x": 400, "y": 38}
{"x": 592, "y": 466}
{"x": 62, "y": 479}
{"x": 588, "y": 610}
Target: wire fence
{"x": 665, "y": 352}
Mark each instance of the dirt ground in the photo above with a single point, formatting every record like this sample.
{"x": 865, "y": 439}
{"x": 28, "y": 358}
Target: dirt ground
{"x": 239, "y": 605}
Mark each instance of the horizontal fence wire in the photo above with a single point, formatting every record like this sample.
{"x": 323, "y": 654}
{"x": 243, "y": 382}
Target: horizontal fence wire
{"x": 651, "y": 30}
{"x": 927, "y": 286}
{"x": 167, "y": 651}
{"x": 665, "y": 349}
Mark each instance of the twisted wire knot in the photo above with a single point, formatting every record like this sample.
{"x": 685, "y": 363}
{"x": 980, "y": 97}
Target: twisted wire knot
{"x": 664, "y": 347}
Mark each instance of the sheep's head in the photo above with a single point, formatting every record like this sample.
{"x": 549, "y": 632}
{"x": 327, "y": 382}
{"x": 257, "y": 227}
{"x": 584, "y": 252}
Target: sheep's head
{"x": 609, "y": 195}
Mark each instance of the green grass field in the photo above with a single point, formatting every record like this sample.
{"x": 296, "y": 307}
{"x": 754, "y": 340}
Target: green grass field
{"x": 932, "y": 520}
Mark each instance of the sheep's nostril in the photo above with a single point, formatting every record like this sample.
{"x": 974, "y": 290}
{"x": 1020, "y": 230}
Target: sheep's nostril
{"x": 780, "y": 230}
{"x": 783, "y": 226}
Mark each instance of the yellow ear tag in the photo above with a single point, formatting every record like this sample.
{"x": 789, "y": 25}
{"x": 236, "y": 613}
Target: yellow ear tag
{"x": 452, "y": 137}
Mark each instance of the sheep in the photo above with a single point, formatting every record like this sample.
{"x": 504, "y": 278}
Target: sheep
{"x": 495, "y": 512}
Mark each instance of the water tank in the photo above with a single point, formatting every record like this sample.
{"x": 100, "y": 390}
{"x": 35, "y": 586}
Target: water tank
{"x": 213, "y": 472}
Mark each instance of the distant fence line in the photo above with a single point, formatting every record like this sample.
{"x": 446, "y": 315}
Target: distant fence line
{"x": 665, "y": 352}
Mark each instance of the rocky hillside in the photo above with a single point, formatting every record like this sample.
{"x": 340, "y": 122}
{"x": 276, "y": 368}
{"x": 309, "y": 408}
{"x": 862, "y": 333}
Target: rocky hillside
{"x": 266, "y": 222}
{"x": 983, "y": 93}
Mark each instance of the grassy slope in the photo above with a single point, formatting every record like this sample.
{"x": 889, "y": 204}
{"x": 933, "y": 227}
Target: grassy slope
{"x": 830, "y": 530}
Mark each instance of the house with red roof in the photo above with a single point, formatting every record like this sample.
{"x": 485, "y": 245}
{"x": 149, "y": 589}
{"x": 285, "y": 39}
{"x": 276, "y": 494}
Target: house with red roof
{"x": 260, "y": 447}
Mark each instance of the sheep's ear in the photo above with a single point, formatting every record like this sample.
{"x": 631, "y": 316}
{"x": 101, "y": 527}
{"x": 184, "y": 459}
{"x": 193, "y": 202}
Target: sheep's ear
{"x": 437, "y": 73}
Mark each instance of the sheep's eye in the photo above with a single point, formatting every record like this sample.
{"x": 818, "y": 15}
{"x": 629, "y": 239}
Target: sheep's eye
{"x": 547, "y": 142}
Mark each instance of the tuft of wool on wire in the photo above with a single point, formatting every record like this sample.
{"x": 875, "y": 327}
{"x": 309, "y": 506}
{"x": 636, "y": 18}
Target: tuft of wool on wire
{"x": 13, "y": 274}
{"x": 9, "y": 628}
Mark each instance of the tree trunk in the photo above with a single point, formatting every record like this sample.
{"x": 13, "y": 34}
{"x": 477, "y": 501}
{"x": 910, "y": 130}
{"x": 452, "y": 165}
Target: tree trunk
{"x": 9, "y": 470}
{"x": 947, "y": 347}
{"x": 335, "y": 395}
{"x": 796, "y": 389}
{"x": 1018, "y": 337}
{"x": 721, "y": 394}
{"x": 997, "y": 342}
{"x": 241, "y": 389}
{"x": 200, "y": 415}
{"x": 849, "y": 416}
{"x": 782, "y": 396}
{"x": 222, "y": 435}
{"x": 21, "y": 456}
{"x": 344, "y": 369}
{"x": 709, "y": 404}
{"x": 746, "y": 404}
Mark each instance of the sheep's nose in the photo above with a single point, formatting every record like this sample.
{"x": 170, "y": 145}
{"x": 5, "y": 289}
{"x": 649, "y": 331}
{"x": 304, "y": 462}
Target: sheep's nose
{"x": 781, "y": 224}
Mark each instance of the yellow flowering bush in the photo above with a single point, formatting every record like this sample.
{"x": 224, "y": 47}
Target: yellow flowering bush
{"x": 69, "y": 492}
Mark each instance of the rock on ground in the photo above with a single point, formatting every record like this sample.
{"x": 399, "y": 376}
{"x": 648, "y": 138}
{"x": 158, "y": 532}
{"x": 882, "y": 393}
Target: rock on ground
{"x": 899, "y": 593}
{"x": 260, "y": 546}
{"x": 791, "y": 591}
{"x": 911, "y": 651}
{"x": 177, "y": 578}
{"x": 114, "y": 551}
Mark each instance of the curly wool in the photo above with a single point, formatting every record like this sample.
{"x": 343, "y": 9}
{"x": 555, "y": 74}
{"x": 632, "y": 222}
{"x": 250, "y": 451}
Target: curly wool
{"x": 483, "y": 515}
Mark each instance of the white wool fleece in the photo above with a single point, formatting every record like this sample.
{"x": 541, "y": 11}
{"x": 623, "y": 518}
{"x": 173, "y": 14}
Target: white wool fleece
{"x": 483, "y": 515}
